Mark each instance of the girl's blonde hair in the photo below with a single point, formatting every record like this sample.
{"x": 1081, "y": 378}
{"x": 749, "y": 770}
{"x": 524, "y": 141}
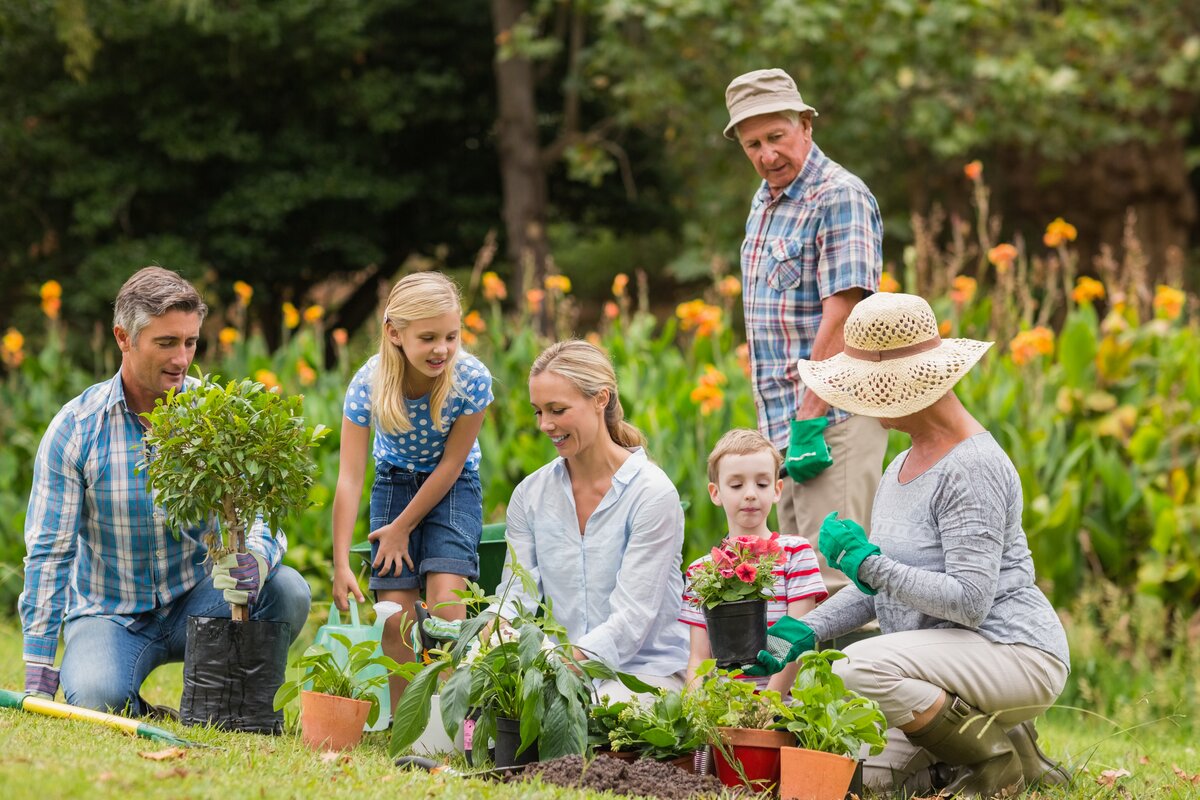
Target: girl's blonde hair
{"x": 590, "y": 371}
{"x": 420, "y": 295}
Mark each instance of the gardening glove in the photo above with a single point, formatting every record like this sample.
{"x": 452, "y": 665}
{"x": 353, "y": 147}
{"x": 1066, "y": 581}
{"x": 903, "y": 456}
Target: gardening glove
{"x": 844, "y": 544}
{"x": 807, "y": 454}
{"x": 436, "y": 629}
{"x": 786, "y": 640}
{"x": 41, "y": 680}
{"x": 241, "y": 575}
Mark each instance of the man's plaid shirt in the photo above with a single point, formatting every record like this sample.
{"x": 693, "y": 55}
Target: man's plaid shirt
{"x": 821, "y": 235}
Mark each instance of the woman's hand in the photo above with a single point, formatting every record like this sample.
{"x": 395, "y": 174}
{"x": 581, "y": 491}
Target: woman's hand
{"x": 393, "y": 548}
{"x": 345, "y": 583}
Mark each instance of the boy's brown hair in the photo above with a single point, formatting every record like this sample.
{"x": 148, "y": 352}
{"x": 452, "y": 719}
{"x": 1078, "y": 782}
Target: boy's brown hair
{"x": 740, "y": 442}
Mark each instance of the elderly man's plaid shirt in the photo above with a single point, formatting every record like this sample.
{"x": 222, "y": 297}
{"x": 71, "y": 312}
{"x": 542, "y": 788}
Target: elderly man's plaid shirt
{"x": 821, "y": 235}
{"x": 96, "y": 544}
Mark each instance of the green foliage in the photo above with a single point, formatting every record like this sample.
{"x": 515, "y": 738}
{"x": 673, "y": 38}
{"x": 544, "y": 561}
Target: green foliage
{"x": 739, "y": 568}
{"x": 661, "y": 728}
{"x": 826, "y": 716}
{"x": 723, "y": 701}
{"x": 232, "y": 453}
{"x": 329, "y": 674}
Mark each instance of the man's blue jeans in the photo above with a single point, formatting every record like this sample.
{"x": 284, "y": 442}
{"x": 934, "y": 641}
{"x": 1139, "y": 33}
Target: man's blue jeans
{"x": 104, "y": 662}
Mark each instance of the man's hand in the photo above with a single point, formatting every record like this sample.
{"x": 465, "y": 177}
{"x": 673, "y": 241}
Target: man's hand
{"x": 787, "y": 639}
{"x": 844, "y": 544}
{"x": 41, "y": 680}
{"x": 393, "y": 549}
{"x": 241, "y": 575}
{"x": 807, "y": 453}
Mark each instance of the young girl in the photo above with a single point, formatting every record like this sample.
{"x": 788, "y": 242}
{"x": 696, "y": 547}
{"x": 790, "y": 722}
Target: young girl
{"x": 427, "y": 399}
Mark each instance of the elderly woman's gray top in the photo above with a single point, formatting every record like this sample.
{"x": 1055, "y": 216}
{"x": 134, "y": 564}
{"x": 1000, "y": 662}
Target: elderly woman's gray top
{"x": 954, "y": 556}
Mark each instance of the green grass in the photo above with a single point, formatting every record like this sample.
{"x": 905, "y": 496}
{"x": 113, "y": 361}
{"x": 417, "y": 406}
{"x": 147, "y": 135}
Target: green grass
{"x": 47, "y": 758}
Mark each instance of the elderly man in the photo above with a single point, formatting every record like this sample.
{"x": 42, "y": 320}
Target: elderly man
{"x": 100, "y": 562}
{"x": 813, "y": 249}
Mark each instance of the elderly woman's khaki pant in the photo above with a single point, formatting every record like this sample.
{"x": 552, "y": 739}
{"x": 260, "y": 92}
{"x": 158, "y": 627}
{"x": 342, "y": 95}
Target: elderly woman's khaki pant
{"x": 906, "y": 673}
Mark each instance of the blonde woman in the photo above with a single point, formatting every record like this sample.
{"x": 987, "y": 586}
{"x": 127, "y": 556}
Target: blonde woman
{"x": 426, "y": 398}
{"x": 600, "y": 528}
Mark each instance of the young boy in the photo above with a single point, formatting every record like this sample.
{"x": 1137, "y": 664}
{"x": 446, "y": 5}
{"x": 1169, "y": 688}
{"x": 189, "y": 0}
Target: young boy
{"x": 743, "y": 474}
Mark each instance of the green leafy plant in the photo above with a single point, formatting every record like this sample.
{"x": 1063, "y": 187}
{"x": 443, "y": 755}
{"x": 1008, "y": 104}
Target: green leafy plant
{"x": 723, "y": 701}
{"x": 663, "y": 728}
{"x": 824, "y": 715}
{"x": 739, "y": 568}
{"x": 340, "y": 677}
{"x": 225, "y": 455}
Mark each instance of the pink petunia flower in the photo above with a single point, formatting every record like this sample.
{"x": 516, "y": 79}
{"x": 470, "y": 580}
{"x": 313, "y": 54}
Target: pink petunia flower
{"x": 746, "y": 572}
{"x": 726, "y": 572}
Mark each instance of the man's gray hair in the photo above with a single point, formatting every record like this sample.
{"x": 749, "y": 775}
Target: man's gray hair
{"x": 152, "y": 292}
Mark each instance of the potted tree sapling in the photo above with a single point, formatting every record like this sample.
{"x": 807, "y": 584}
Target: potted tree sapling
{"x": 226, "y": 458}
{"x": 732, "y": 588}
{"x": 831, "y": 724}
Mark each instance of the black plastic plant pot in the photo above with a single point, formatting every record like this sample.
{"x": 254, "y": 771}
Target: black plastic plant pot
{"x": 231, "y": 671}
{"x": 508, "y": 739}
{"x": 737, "y": 631}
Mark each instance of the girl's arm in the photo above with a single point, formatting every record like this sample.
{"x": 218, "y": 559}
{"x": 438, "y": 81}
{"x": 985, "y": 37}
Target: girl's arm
{"x": 352, "y": 465}
{"x": 782, "y": 681}
{"x": 699, "y": 650}
{"x": 393, "y": 537}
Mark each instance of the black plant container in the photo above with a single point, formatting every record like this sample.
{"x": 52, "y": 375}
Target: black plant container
{"x": 231, "y": 671}
{"x": 737, "y": 631}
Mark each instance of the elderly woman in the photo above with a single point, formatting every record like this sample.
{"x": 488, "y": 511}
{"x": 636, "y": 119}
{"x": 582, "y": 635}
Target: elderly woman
{"x": 971, "y": 649}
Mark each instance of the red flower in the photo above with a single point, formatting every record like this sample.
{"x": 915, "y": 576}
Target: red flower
{"x": 726, "y": 572}
{"x": 721, "y": 558}
{"x": 746, "y": 572}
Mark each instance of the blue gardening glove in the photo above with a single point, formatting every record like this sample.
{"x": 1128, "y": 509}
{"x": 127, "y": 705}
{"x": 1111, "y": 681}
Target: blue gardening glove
{"x": 786, "y": 640}
{"x": 241, "y": 575}
{"x": 41, "y": 680}
{"x": 844, "y": 544}
{"x": 807, "y": 454}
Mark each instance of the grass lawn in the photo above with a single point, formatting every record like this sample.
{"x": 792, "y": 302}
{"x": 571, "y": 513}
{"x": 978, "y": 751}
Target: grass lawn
{"x": 46, "y": 758}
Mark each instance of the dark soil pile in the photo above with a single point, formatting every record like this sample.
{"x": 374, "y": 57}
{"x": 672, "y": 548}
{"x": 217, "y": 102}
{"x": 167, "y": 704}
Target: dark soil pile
{"x": 642, "y": 777}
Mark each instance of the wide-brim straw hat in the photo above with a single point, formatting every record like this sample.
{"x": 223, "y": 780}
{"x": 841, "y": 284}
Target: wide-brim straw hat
{"x": 895, "y": 363}
{"x": 763, "y": 91}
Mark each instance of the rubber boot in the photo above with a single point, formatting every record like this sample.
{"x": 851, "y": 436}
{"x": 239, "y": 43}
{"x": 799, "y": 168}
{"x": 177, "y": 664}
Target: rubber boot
{"x": 968, "y": 738}
{"x": 1039, "y": 768}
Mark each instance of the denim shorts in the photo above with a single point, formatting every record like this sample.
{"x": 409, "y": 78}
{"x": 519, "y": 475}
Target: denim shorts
{"x": 447, "y": 540}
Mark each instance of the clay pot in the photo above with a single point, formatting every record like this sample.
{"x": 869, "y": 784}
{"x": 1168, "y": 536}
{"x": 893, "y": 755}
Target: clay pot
{"x": 813, "y": 775}
{"x": 758, "y": 753}
{"x": 331, "y": 723}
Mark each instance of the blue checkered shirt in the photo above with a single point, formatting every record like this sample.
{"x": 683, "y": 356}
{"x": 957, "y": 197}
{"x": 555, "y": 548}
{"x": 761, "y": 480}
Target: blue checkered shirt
{"x": 821, "y": 235}
{"x": 95, "y": 543}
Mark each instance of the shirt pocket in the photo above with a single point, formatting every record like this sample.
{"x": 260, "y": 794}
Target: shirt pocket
{"x": 785, "y": 269}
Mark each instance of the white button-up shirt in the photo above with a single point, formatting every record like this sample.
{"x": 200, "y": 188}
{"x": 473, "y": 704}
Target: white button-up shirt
{"x": 616, "y": 589}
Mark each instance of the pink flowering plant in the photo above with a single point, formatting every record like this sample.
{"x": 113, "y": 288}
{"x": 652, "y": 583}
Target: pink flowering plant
{"x": 739, "y": 568}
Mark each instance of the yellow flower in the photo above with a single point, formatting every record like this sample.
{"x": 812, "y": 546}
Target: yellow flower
{"x": 11, "y": 345}
{"x": 974, "y": 170}
{"x": 51, "y": 307}
{"x": 962, "y": 291}
{"x": 888, "y": 283}
{"x": 244, "y": 292}
{"x": 474, "y": 322}
{"x": 1168, "y": 302}
{"x": 313, "y": 314}
{"x": 267, "y": 379}
{"x": 306, "y": 374}
{"x": 729, "y": 286}
{"x": 1028, "y": 345}
{"x": 558, "y": 283}
{"x": 1058, "y": 232}
{"x": 534, "y": 298}
{"x": 619, "y": 284}
{"x": 611, "y": 310}
{"x": 1002, "y": 257}
{"x": 291, "y": 317}
{"x": 51, "y": 289}
{"x": 227, "y": 337}
{"x": 1086, "y": 290}
{"x": 340, "y": 337}
{"x": 493, "y": 288}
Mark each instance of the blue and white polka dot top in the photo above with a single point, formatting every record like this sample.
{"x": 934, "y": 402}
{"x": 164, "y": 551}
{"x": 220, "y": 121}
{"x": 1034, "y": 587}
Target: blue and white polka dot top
{"x": 420, "y": 449}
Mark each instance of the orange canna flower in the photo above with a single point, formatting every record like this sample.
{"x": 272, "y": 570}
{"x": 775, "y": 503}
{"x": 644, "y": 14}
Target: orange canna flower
{"x": 340, "y": 337}
{"x": 51, "y": 306}
{"x": 1168, "y": 302}
{"x": 474, "y": 322}
{"x": 611, "y": 310}
{"x": 1028, "y": 345}
{"x": 962, "y": 290}
{"x": 12, "y": 348}
{"x": 558, "y": 283}
{"x": 1059, "y": 232}
{"x": 743, "y": 358}
{"x": 306, "y": 374}
{"x": 534, "y": 298}
{"x": 1002, "y": 257}
{"x": 51, "y": 290}
{"x": 945, "y": 328}
{"x": 1086, "y": 290}
{"x": 594, "y": 339}
{"x": 729, "y": 286}
{"x": 468, "y": 337}
{"x": 313, "y": 314}
{"x": 244, "y": 292}
{"x": 888, "y": 283}
{"x": 291, "y": 317}
{"x": 268, "y": 379}
{"x": 493, "y": 288}
{"x": 708, "y": 393}
{"x": 619, "y": 284}
{"x": 227, "y": 337}
{"x": 974, "y": 170}
{"x": 699, "y": 315}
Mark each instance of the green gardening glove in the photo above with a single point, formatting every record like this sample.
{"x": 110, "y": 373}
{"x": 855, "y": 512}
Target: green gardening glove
{"x": 807, "y": 454}
{"x": 844, "y": 544}
{"x": 786, "y": 640}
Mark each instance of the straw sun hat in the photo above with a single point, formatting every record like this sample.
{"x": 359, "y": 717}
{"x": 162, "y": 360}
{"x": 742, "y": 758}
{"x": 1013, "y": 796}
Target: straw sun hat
{"x": 895, "y": 363}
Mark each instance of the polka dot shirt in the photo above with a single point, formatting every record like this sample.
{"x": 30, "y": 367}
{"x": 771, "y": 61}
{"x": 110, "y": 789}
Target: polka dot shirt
{"x": 421, "y": 448}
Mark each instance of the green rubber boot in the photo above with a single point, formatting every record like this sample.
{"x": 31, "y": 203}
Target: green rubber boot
{"x": 1039, "y": 768}
{"x": 971, "y": 740}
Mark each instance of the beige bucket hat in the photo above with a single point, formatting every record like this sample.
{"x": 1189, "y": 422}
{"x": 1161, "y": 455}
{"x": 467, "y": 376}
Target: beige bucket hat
{"x": 764, "y": 91}
{"x": 894, "y": 363}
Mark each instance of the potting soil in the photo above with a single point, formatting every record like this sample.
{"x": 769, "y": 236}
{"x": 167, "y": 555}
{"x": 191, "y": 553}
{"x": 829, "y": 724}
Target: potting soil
{"x": 644, "y": 777}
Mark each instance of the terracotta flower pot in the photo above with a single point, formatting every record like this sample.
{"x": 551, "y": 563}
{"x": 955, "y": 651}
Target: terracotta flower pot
{"x": 813, "y": 775}
{"x": 758, "y": 753}
{"x": 331, "y": 723}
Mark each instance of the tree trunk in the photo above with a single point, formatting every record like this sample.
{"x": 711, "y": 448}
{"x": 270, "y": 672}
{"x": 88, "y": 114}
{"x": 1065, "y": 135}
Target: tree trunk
{"x": 521, "y": 173}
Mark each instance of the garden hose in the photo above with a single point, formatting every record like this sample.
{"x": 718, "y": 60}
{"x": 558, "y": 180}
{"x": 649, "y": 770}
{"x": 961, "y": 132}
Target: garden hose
{"x": 48, "y": 708}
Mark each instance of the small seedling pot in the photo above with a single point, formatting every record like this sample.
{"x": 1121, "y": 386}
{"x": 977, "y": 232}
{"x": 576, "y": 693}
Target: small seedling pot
{"x": 737, "y": 631}
{"x": 331, "y": 723}
{"x": 508, "y": 739}
{"x": 757, "y": 751}
{"x": 813, "y": 775}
